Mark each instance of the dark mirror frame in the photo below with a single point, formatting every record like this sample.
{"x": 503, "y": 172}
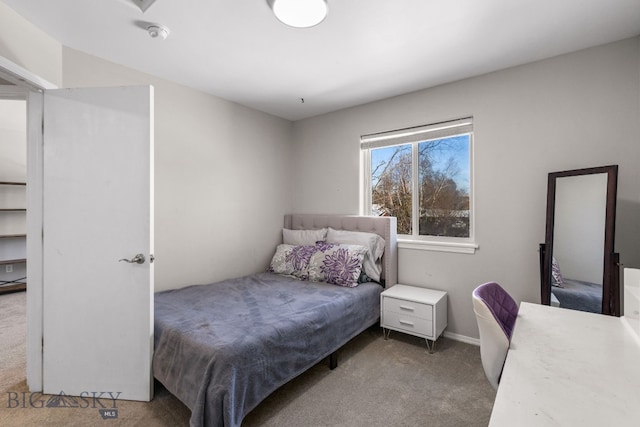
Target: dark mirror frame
{"x": 610, "y": 280}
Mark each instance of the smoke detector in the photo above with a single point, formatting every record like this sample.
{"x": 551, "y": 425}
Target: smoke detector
{"x": 157, "y": 31}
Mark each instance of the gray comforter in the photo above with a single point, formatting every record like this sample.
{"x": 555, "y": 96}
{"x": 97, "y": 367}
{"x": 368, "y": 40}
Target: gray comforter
{"x": 223, "y": 348}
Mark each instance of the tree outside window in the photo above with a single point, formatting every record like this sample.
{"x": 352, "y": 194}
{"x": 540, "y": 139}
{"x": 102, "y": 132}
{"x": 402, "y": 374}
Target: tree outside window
{"x": 425, "y": 184}
{"x": 391, "y": 184}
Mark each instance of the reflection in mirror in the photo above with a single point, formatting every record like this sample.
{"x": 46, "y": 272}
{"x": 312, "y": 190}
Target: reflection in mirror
{"x": 578, "y": 265}
{"x": 578, "y": 237}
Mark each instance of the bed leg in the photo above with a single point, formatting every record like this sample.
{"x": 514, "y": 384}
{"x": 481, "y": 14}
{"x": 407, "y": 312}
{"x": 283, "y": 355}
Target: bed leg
{"x": 333, "y": 360}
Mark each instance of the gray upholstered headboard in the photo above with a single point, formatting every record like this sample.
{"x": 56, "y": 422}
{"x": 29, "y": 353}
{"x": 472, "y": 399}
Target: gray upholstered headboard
{"x": 383, "y": 226}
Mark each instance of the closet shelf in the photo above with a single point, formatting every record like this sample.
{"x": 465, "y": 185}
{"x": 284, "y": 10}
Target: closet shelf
{"x": 13, "y": 285}
{"x": 12, "y": 261}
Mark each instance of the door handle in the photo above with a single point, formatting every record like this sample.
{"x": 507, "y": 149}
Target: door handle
{"x": 138, "y": 259}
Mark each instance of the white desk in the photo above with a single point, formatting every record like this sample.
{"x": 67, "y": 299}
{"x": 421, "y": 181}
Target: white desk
{"x": 569, "y": 368}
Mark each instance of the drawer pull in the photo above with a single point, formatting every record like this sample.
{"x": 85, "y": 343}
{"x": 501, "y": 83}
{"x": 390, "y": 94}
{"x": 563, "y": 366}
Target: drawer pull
{"x": 404, "y": 322}
{"x": 406, "y": 307}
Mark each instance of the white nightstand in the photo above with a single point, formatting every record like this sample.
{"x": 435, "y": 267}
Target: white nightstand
{"x": 417, "y": 311}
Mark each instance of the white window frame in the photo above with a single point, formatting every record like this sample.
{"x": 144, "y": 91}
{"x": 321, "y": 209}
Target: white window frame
{"x": 414, "y": 136}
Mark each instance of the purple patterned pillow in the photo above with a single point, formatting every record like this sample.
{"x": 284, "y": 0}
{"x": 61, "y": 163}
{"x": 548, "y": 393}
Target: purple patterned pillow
{"x": 556, "y": 274}
{"x": 372, "y": 264}
{"x": 337, "y": 264}
{"x": 292, "y": 260}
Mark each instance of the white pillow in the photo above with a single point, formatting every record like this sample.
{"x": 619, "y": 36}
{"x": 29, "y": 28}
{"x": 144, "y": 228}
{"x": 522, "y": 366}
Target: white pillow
{"x": 372, "y": 264}
{"x": 303, "y": 237}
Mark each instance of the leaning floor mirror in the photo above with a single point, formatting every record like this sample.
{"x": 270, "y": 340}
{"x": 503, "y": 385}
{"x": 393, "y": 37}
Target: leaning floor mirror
{"x": 579, "y": 268}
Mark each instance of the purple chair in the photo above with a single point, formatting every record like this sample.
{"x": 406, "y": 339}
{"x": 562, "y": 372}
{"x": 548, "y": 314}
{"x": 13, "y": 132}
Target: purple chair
{"x": 496, "y": 314}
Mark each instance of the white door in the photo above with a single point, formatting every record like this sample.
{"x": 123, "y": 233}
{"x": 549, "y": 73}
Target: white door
{"x": 98, "y": 209}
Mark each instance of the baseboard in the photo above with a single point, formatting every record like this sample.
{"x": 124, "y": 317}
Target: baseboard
{"x": 462, "y": 338}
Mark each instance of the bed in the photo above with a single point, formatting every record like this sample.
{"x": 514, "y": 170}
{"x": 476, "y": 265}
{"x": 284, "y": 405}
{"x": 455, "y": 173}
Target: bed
{"x": 222, "y": 348}
{"x": 575, "y": 294}
{"x": 579, "y": 295}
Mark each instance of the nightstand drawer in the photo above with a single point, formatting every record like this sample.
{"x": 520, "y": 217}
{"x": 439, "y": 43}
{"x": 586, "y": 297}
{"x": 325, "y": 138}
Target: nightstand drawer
{"x": 408, "y": 308}
{"x": 409, "y": 324}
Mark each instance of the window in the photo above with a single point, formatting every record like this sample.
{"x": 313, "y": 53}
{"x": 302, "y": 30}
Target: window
{"x": 422, "y": 176}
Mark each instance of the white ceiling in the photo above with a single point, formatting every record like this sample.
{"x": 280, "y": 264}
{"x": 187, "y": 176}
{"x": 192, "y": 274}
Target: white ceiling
{"x": 365, "y": 50}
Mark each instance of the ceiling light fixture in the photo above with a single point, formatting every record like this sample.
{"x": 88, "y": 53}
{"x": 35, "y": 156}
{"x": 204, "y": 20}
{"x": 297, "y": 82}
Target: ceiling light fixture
{"x": 157, "y": 31}
{"x": 299, "y": 13}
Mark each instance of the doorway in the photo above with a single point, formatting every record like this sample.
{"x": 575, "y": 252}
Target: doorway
{"x": 13, "y": 202}
{"x": 13, "y": 195}
{"x": 19, "y": 83}
{"x": 79, "y": 123}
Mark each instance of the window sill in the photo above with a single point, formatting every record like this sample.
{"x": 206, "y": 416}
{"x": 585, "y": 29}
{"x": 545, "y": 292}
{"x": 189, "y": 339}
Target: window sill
{"x": 456, "y": 247}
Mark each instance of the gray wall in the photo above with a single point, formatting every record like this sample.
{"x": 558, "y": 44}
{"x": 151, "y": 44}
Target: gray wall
{"x": 573, "y": 111}
{"x": 222, "y": 182}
